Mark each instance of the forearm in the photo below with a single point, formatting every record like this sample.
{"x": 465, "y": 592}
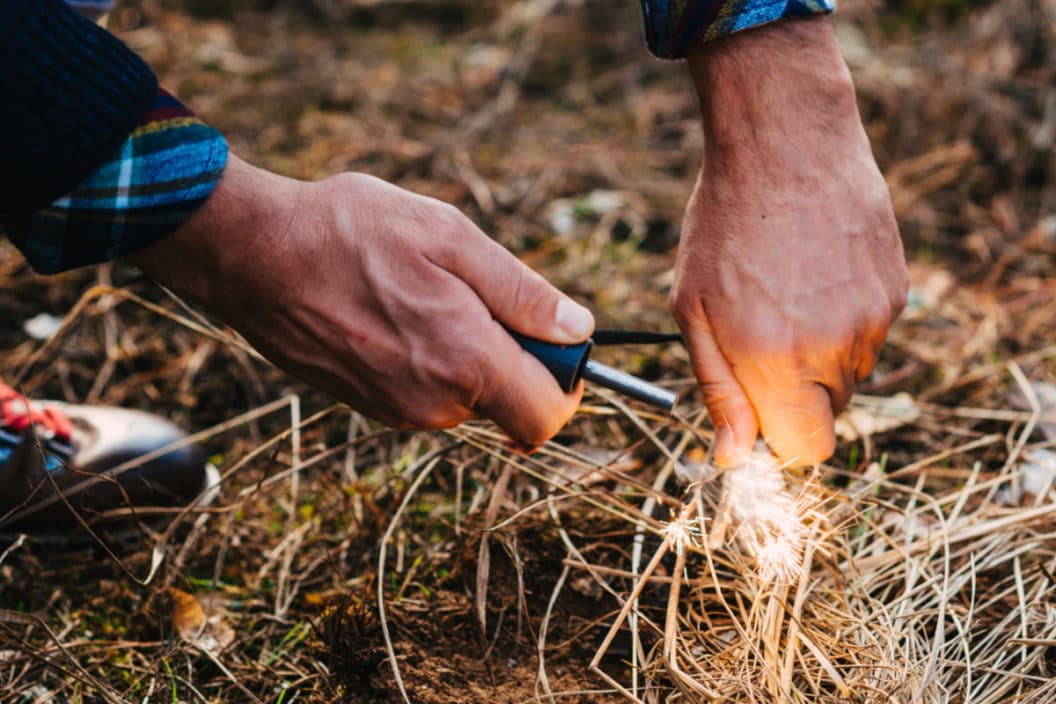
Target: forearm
{"x": 750, "y": 84}
{"x": 228, "y": 241}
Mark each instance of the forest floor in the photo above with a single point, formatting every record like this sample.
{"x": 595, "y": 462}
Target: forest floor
{"x": 338, "y": 548}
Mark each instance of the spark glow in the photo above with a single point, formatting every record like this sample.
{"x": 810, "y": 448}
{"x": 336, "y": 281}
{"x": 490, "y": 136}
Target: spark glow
{"x": 769, "y": 520}
{"x": 681, "y": 530}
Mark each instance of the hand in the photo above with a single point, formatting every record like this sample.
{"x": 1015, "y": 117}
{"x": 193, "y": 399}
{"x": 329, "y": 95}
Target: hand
{"x": 790, "y": 268}
{"x": 389, "y": 301}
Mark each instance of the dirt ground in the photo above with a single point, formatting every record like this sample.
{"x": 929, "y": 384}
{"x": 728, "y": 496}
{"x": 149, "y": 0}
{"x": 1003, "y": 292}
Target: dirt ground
{"x": 548, "y": 123}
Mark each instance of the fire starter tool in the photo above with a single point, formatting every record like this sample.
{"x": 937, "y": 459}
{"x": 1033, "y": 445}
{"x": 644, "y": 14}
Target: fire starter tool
{"x": 570, "y": 363}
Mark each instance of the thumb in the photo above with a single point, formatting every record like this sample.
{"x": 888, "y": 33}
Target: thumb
{"x": 797, "y": 422}
{"x": 736, "y": 427}
{"x": 519, "y": 297}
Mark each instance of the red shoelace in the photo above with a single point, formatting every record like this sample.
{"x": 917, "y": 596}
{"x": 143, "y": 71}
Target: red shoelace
{"x": 18, "y": 414}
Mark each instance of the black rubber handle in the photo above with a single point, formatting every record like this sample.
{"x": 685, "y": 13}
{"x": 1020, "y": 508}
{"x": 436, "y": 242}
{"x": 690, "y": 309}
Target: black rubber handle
{"x": 565, "y": 362}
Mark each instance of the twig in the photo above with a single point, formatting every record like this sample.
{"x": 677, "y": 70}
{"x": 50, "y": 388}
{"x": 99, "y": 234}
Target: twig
{"x": 427, "y": 463}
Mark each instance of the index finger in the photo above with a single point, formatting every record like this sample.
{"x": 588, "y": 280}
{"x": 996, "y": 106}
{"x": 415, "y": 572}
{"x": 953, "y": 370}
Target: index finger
{"x": 520, "y": 394}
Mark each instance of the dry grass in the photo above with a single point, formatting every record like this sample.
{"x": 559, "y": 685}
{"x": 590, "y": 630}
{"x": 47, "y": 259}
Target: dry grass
{"x": 927, "y": 581}
{"x": 343, "y": 561}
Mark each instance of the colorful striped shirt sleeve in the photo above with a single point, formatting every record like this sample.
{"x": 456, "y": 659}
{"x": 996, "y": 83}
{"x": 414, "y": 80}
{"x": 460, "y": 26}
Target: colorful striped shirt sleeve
{"x": 93, "y": 9}
{"x": 672, "y": 26}
{"x": 154, "y": 182}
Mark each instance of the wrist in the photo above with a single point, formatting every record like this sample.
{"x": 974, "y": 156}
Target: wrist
{"x": 772, "y": 85}
{"x": 229, "y": 238}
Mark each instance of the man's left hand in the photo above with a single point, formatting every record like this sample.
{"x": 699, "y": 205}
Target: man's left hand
{"x": 790, "y": 268}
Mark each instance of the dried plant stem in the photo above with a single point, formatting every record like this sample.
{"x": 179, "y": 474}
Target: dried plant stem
{"x": 427, "y": 463}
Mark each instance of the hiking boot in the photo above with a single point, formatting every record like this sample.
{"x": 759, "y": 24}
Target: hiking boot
{"x": 57, "y": 459}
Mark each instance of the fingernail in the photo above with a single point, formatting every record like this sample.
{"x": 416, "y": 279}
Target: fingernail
{"x": 574, "y": 320}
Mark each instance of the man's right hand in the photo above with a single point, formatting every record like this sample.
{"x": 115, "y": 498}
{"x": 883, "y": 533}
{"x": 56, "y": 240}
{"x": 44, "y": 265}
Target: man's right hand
{"x": 390, "y": 301}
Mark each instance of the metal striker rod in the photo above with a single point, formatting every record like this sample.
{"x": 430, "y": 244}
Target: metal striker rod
{"x": 628, "y": 385}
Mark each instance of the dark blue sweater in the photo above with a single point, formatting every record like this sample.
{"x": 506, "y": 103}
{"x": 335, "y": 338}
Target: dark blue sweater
{"x": 70, "y": 92}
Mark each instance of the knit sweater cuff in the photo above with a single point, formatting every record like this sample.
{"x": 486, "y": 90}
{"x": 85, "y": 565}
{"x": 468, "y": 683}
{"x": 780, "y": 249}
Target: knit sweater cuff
{"x": 70, "y": 93}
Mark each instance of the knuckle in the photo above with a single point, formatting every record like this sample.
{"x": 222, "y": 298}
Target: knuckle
{"x": 448, "y": 227}
{"x": 722, "y": 397}
{"x": 349, "y": 181}
{"x": 680, "y": 296}
{"x": 521, "y": 291}
{"x": 879, "y": 316}
{"x": 451, "y": 220}
{"x": 838, "y": 334}
{"x": 865, "y": 366}
{"x": 900, "y": 294}
{"x": 678, "y": 310}
{"x": 456, "y": 370}
{"x": 685, "y": 306}
{"x": 469, "y": 379}
{"x": 344, "y": 178}
{"x": 840, "y": 395}
{"x": 451, "y": 212}
{"x": 518, "y": 289}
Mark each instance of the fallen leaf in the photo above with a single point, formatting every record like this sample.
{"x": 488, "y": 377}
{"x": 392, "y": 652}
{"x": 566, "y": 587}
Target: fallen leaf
{"x": 1045, "y": 393}
{"x": 1038, "y": 471}
{"x": 188, "y": 616}
{"x": 199, "y": 626}
{"x": 869, "y": 415}
{"x": 42, "y": 326}
{"x": 587, "y": 586}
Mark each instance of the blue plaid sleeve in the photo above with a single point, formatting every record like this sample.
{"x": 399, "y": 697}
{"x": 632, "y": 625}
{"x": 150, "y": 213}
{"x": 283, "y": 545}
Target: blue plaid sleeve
{"x": 93, "y": 9}
{"x": 152, "y": 184}
{"x": 671, "y": 26}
